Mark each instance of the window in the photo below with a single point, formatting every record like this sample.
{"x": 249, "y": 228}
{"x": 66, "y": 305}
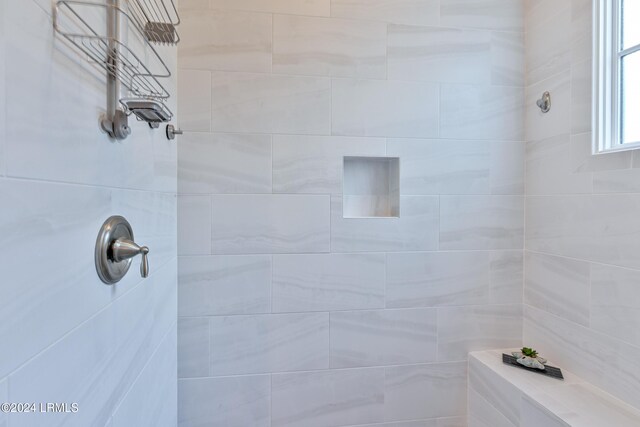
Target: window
{"x": 616, "y": 75}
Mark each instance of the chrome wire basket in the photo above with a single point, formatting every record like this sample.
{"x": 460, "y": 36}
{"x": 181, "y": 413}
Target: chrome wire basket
{"x": 157, "y": 19}
{"x": 81, "y": 23}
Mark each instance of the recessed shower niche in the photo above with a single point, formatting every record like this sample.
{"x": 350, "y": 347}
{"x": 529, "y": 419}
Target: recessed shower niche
{"x": 371, "y": 187}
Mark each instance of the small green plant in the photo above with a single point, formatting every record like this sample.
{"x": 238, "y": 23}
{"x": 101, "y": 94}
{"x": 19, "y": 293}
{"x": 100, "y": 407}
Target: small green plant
{"x": 529, "y": 352}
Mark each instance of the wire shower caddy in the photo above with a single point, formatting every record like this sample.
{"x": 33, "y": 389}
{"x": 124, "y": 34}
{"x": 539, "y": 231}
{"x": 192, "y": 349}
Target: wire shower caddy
{"x": 119, "y": 39}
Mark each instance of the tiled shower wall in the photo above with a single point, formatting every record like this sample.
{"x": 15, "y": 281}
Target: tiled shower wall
{"x": 65, "y": 336}
{"x": 582, "y": 281}
{"x": 291, "y": 315}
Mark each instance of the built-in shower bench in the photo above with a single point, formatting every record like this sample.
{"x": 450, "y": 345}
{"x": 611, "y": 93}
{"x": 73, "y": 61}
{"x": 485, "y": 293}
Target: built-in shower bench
{"x": 505, "y": 396}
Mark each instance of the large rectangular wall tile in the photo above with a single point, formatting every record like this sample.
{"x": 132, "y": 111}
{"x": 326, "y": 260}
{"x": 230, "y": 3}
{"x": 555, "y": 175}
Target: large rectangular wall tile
{"x": 385, "y": 108}
{"x": 4, "y": 397}
{"x": 328, "y": 282}
{"x": 240, "y": 401}
{"x": 225, "y": 40}
{"x": 193, "y": 347}
{"x": 269, "y": 343}
{"x": 431, "y": 422}
{"x": 219, "y": 285}
{"x": 438, "y": 166}
{"x": 465, "y": 329}
{"x": 503, "y": 15}
{"x": 383, "y": 337}
{"x": 483, "y": 414}
{"x": 314, "y": 164}
{"x": 548, "y": 43}
{"x": 481, "y": 222}
{"x": 270, "y": 224}
{"x": 507, "y": 167}
{"x": 329, "y": 47}
{"x": 294, "y": 7}
{"x": 615, "y": 302}
{"x": 411, "y": 12}
{"x": 152, "y": 400}
{"x": 415, "y": 230}
{"x": 438, "y": 278}
{"x": 224, "y": 163}
{"x": 329, "y": 398}
{"x": 264, "y": 103}
{"x": 549, "y": 168}
{"x": 558, "y": 285}
{"x": 481, "y": 112}
{"x": 194, "y": 101}
{"x": 497, "y": 392}
{"x": 194, "y": 225}
{"x": 559, "y": 340}
{"x": 425, "y": 391}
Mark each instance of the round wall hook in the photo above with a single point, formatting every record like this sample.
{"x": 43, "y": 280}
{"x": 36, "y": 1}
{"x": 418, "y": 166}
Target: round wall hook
{"x": 544, "y": 103}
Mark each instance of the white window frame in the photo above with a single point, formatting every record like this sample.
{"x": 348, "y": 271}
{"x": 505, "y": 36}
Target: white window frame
{"x": 607, "y": 57}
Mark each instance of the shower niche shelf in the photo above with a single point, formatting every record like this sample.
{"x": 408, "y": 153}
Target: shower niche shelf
{"x": 117, "y": 37}
{"x": 371, "y": 187}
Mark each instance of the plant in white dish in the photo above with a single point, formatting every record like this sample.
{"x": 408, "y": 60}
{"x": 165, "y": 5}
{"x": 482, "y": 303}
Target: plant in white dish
{"x": 529, "y": 357}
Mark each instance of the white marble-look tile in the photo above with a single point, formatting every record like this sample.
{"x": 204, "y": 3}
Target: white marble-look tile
{"x": 452, "y": 278}
{"x": 481, "y": 222}
{"x": 385, "y": 108}
{"x": 604, "y": 361}
{"x": 432, "y": 422}
{"x": 152, "y": 400}
{"x": 503, "y": 15}
{"x": 483, "y": 414}
{"x": 4, "y": 390}
{"x": 328, "y": 282}
{"x": 548, "y": 41}
{"x": 425, "y": 391}
{"x": 481, "y": 112}
{"x": 465, "y": 329}
{"x": 75, "y": 367}
{"x": 224, "y": 163}
{"x": 507, "y": 167}
{"x": 616, "y": 181}
{"x": 270, "y": 224}
{"x": 313, "y": 164}
{"x": 558, "y": 285}
{"x": 453, "y": 55}
{"x": 194, "y": 101}
{"x": 239, "y": 401}
{"x": 549, "y": 168}
{"x": 581, "y": 96}
{"x": 583, "y": 160}
{"x": 224, "y": 285}
{"x": 225, "y": 40}
{"x": 581, "y": 30}
{"x": 496, "y": 391}
{"x": 328, "y": 398}
{"x": 615, "y": 302}
{"x": 293, "y": 7}
{"x": 415, "y": 230}
{"x": 410, "y": 12}
{"x": 383, "y": 337}
{"x": 269, "y": 343}
{"x": 194, "y": 225}
{"x": 534, "y": 415}
{"x": 42, "y": 215}
{"x": 329, "y": 47}
{"x": 193, "y": 347}
{"x": 3, "y": 104}
{"x": 557, "y": 121}
{"x": 264, "y": 103}
{"x": 439, "y": 166}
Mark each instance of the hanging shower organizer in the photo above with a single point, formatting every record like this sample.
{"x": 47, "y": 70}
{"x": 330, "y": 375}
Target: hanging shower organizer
{"x": 118, "y": 36}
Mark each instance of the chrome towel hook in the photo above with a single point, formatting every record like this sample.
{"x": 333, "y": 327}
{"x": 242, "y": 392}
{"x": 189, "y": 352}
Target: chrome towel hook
{"x": 545, "y": 102}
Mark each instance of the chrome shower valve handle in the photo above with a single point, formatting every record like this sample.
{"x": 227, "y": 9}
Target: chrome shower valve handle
{"x": 115, "y": 250}
{"x": 123, "y": 249}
